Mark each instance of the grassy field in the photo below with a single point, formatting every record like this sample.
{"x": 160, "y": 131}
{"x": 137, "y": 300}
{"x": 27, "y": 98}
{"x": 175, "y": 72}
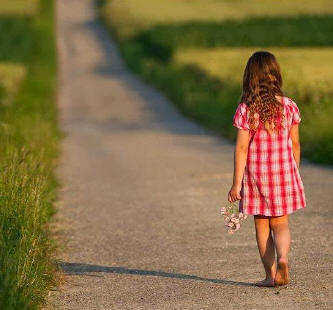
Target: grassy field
{"x": 303, "y": 70}
{"x": 11, "y": 77}
{"x": 310, "y": 65}
{"x": 17, "y": 8}
{"x": 196, "y": 51}
{"x": 132, "y": 16}
{"x": 28, "y": 152}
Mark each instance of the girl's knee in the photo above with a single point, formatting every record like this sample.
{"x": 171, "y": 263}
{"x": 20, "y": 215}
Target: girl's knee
{"x": 278, "y": 221}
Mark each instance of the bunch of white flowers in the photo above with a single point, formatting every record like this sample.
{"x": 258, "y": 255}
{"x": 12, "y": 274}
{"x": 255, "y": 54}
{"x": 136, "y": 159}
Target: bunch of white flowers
{"x": 232, "y": 217}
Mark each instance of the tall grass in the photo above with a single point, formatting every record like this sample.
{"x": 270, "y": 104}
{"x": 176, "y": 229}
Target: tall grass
{"x": 28, "y": 155}
{"x": 152, "y": 48}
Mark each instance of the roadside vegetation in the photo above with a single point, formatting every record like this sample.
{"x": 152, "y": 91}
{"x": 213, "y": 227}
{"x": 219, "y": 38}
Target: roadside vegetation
{"x": 29, "y": 139}
{"x": 196, "y": 51}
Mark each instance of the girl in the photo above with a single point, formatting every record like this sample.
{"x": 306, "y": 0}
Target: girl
{"x": 266, "y": 162}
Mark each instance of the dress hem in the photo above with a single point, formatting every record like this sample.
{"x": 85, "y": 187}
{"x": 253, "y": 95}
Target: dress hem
{"x": 290, "y": 212}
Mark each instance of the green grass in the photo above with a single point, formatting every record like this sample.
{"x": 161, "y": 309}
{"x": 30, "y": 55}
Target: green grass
{"x": 196, "y": 51}
{"x": 306, "y": 71}
{"x": 19, "y": 7}
{"x": 16, "y": 39}
{"x": 132, "y": 16}
{"x": 11, "y": 77}
{"x": 28, "y": 155}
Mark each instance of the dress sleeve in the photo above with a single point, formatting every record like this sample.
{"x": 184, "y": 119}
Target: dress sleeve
{"x": 240, "y": 117}
{"x": 296, "y": 116}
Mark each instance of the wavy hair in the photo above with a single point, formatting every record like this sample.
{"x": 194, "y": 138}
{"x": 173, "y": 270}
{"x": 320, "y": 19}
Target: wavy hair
{"x": 262, "y": 81}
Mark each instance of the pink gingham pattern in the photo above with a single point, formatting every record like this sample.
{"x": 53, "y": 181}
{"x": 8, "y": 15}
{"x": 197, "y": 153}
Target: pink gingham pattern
{"x": 271, "y": 184}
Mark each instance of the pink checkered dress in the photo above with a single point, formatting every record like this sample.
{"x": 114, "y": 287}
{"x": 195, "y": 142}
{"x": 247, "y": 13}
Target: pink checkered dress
{"x": 271, "y": 184}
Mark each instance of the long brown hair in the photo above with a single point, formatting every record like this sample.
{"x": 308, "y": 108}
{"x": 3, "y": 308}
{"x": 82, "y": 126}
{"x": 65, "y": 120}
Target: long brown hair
{"x": 261, "y": 82}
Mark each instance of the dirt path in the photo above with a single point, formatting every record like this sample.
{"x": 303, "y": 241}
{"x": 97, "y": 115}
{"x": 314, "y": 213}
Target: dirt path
{"x": 142, "y": 194}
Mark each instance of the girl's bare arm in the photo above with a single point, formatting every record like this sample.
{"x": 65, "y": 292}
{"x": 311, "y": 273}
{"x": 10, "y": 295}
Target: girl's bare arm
{"x": 294, "y": 134}
{"x": 240, "y": 157}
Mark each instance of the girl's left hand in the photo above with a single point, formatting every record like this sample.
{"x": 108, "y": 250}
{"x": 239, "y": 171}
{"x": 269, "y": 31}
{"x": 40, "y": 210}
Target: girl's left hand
{"x": 234, "y": 193}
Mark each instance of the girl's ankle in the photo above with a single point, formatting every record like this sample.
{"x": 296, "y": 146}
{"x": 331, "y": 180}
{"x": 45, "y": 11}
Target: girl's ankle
{"x": 270, "y": 276}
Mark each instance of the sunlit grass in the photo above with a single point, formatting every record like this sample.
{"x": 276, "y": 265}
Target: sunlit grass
{"x": 19, "y": 7}
{"x": 132, "y": 16}
{"x": 303, "y": 69}
{"x": 11, "y": 77}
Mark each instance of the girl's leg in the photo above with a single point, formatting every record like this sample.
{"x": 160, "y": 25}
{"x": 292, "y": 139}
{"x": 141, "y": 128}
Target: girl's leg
{"x": 280, "y": 227}
{"x": 266, "y": 248}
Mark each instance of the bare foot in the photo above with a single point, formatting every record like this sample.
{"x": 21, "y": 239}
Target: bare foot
{"x": 282, "y": 274}
{"x": 265, "y": 282}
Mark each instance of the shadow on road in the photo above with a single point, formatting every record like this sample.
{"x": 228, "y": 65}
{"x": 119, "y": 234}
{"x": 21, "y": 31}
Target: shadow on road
{"x": 85, "y": 269}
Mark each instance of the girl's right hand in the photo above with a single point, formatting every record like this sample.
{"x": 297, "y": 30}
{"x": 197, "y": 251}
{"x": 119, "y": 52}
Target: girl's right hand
{"x": 234, "y": 193}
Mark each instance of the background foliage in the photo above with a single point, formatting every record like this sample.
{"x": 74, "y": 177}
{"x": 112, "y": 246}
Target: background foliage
{"x": 196, "y": 51}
